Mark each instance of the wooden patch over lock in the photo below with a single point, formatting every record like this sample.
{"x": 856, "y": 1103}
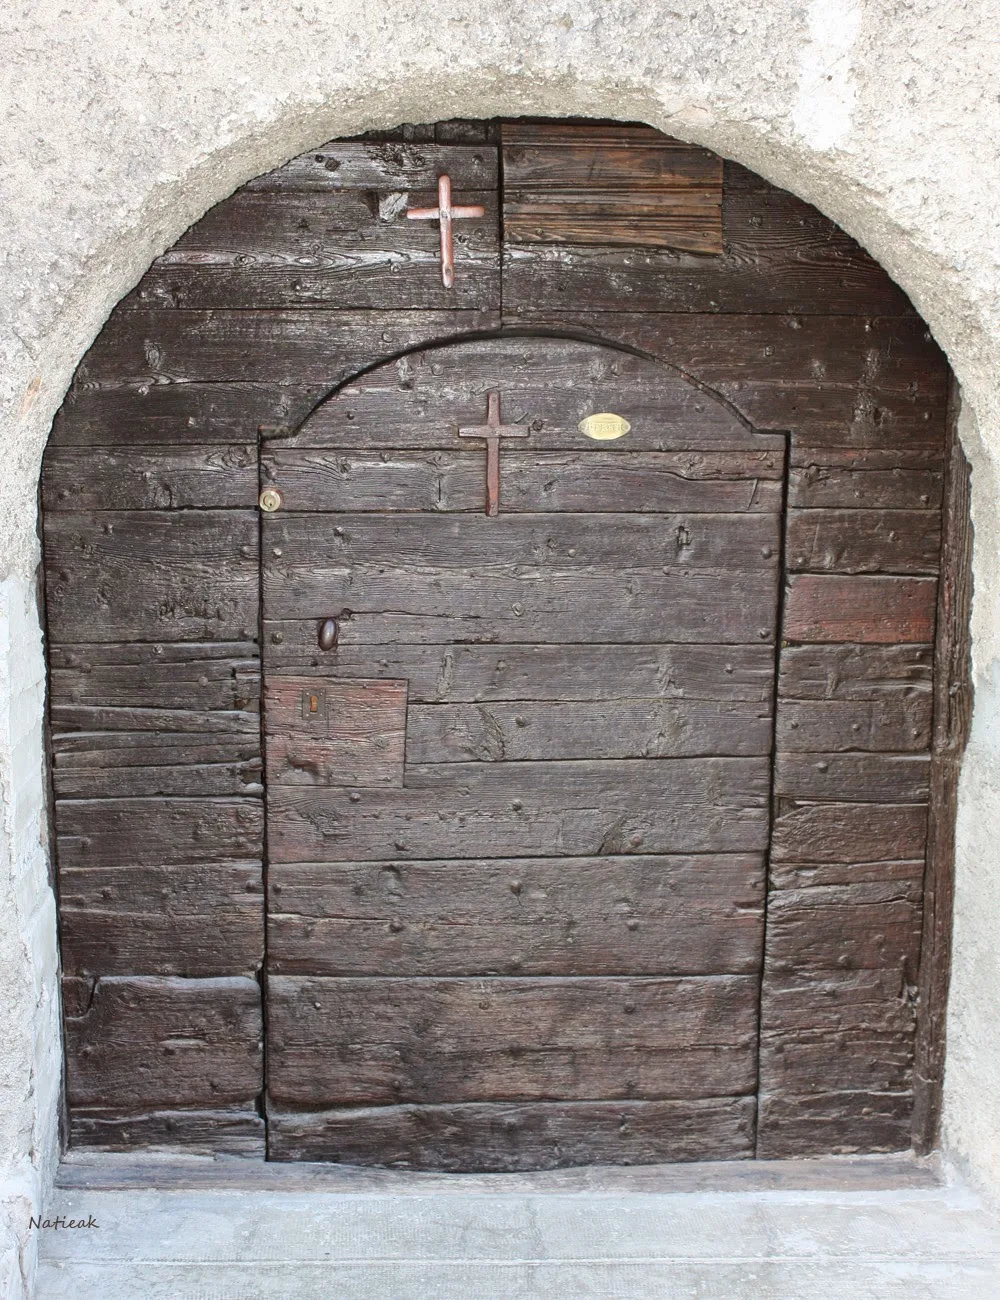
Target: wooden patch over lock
{"x": 578, "y": 183}
{"x": 325, "y": 732}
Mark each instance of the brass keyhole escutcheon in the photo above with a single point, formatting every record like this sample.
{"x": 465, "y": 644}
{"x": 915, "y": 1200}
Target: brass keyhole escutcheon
{"x": 328, "y": 633}
{"x": 270, "y": 500}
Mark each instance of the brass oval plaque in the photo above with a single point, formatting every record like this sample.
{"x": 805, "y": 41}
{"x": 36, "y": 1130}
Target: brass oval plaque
{"x": 604, "y": 427}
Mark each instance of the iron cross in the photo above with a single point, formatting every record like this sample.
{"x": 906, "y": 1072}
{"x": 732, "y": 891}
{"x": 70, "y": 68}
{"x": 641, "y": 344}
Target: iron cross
{"x": 446, "y": 214}
{"x": 492, "y": 431}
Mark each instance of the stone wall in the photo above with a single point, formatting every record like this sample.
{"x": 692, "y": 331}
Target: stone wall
{"x": 124, "y": 122}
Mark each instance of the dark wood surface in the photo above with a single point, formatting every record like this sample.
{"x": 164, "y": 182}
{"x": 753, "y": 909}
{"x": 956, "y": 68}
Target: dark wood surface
{"x": 622, "y": 695}
{"x": 648, "y": 915}
{"x": 512, "y": 1137}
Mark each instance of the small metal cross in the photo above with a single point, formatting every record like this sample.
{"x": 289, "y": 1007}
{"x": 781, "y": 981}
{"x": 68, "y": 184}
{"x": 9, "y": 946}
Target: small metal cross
{"x": 492, "y": 431}
{"x": 446, "y": 214}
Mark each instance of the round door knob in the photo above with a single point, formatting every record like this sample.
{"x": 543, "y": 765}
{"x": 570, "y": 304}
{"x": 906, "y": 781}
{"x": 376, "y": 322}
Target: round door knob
{"x": 328, "y": 632}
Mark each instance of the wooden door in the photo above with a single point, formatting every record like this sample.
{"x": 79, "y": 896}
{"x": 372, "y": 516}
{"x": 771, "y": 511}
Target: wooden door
{"x": 517, "y": 814}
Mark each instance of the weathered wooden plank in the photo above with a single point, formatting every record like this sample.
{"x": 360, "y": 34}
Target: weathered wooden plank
{"x": 199, "y": 920}
{"x": 151, "y": 478}
{"x": 362, "y": 1041}
{"x": 632, "y": 187}
{"x": 502, "y": 1138}
{"x": 152, "y": 1042}
{"x": 886, "y": 778}
{"x": 152, "y": 575}
{"x": 89, "y": 749}
{"x": 137, "y": 675}
{"x": 860, "y": 926}
{"x": 548, "y": 386}
{"x": 855, "y": 672}
{"x": 131, "y": 781}
{"x": 532, "y": 482}
{"x": 803, "y": 875}
{"x": 835, "y": 1030}
{"x": 145, "y": 833}
{"x": 517, "y": 543}
{"x": 340, "y": 733}
{"x": 475, "y": 810}
{"x": 818, "y": 726}
{"x": 576, "y": 605}
{"x": 303, "y": 347}
{"x": 848, "y": 832}
{"x": 453, "y": 673}
{"x": 382, "y": 166}
{"x": 863, "y": 541}
{"x": 195, "y": 1132}
{"x": 874, "y": 611}
{"x": 616, "y": 728}
{"x": 140, "y": 415}
{"x": 832, "y": 1123}
{"x": 345, "y": 249}
{"x": 125, "y": 724}
{"x": 833, "y": 381}
{"x": 777, "y": 254}
{"x": 894, "y": 478}
{"x": 952, "y": 721}
{"x": 579, "y": 916}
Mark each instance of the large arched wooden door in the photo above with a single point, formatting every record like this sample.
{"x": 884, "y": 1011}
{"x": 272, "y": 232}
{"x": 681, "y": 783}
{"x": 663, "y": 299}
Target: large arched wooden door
{"x": 517, "y": 808}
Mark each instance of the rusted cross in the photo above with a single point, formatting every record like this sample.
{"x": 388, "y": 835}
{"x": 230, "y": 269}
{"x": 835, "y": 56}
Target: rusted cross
{"x": 446, "y": 214}
{"x": 492, "y": 431}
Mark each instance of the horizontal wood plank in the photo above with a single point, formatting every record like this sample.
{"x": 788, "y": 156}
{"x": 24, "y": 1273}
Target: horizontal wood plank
{"x": 152, "y": 575}
{"x": 553, "y": 729}
{"x": 860, "y": 926}
{"x": 889, "y": 724}
{"x": 502, "y": 1138}
{"x": 792, "y": 1126}
{"x": 151, "y": 1042}
{"x": 137, "y": 675}
{"x": 896, "y": 478}
{"x": 871, "y": 673}
{"x": 804, "y": 875}
{"x": 382, "y": 166}
{"x": 134, "y": 780}
{"x": 532, "y": 482}
{"x": 217, "y": 477}
{"x": 569, "y": 916}
{"x": 235, "y": 1132}
{"x": 888, "y": 778}
{"x": 143, "y": 833}
{"x": 192, "y": 920}
{"x": 475, "y": 810}
{"x": 457, "y": 672}
{"x": 874, "y": 611}
{"x": 381, "y": 1041}
{"x": 848, "y": 832}
{"x": 863, "y": 541}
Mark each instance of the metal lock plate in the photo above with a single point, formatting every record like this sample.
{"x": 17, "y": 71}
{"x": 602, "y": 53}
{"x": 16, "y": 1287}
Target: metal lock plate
{"x": 270, "y": 500}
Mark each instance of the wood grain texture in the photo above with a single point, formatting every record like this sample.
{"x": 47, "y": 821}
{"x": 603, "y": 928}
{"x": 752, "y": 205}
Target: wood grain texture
{"x": 345, "y": 249}
{"x": 334, "y": 733}
{"x": 133, "y": 675}
{"x": 792, "y": 1126}
{"x": 501, "y": 1138}
{"x": 861, "y": 926}
{"x": 631, "y": 186}
{"x": 868, "y": 610}
{"x": 832, "y": 381}
{"x": 182, "y": 477}
{"x": 848, "y": 832}
{"x": 952, "y": 720}
{"x": 475, "y": 810}
{"x": 776, "y": 254}
{"x": 385, "y": 1041}
{"x": 617, "y": 728}
{"x": 234, "y": 1132}
{"x": 153, "y": 1043}
{"x": 151, "y": 575}
{"x": 547, "y": 384}
{"x": 194, "y": 920}
{"x": 456, "y": 673}
{"x": 888, "y": 778}
{"x": 451, "y": 479}
{"x": 382, "y": 166}
{"x": 893, "y": 478}
{"x": 868, "y": 673}
{"x": 818, "y": 726}
{"x": 563, "y": 916}
{"x": 863, "y": 541}
{"x": 144, "y": 833}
